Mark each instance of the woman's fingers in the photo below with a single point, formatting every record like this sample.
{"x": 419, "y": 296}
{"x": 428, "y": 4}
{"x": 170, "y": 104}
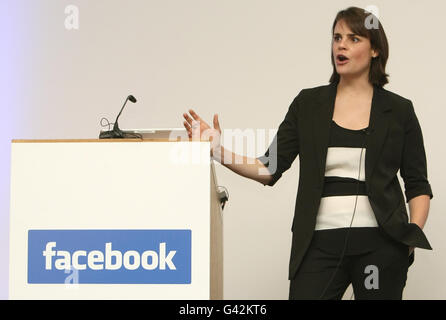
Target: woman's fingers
{"x": 191, "y": 125}
{"x": 195, "y": 125}
{"x": 188, "y": 129}
{"x": 188, "y": 119}
{"x": 187, "y": 126}
{"x": 194, "y": 115}
{"x": 216, "y": 123}
{"x": 193, "y": 122}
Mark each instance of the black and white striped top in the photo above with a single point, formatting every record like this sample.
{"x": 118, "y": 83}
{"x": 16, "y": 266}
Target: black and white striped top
{"x": 342, "y": 173}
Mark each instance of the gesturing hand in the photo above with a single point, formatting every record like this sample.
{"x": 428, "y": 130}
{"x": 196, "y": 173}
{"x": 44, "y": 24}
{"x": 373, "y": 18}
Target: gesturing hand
{"x": 197, "y": 128}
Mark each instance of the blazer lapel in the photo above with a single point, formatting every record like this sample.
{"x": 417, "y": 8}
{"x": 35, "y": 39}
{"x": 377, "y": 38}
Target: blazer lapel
{"x": 377, "y": 132}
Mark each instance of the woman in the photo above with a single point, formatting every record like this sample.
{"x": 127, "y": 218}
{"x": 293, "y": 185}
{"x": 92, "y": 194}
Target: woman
{"x": 352, "y": 136}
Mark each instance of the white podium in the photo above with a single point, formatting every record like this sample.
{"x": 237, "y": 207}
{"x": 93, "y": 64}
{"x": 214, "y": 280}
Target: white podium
{"x": 114, "y": 219}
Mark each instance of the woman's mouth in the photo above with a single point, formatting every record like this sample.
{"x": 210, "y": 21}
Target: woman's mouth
{"x": 341, "y": 59}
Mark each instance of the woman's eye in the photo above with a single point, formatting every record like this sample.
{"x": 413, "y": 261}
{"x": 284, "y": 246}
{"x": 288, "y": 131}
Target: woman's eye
{"x": 354, "y": 38}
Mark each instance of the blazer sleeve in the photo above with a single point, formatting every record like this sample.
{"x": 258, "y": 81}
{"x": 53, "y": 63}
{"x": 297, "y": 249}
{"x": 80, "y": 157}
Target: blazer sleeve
{"x": 413, "y": 165}
{"x": 285, "y": 146}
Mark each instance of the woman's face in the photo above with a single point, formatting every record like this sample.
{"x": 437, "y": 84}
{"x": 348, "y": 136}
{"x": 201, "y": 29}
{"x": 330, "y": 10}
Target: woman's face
{"x": 356, "y": 48}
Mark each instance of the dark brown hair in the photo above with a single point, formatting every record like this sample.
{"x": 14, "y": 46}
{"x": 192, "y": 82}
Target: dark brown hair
{"x": 356, "y": 18}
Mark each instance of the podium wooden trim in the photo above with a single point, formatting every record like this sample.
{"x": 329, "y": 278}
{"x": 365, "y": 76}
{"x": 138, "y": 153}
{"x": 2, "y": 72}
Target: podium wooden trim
{"x": 216, "y": 255}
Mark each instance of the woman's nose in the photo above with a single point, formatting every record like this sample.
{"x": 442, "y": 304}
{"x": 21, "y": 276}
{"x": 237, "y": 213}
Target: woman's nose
{"x": 341, "y": 45}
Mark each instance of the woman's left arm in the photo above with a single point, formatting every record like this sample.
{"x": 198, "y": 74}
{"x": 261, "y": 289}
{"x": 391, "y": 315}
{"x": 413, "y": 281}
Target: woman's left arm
{"x": 414, "y": 171}
{"x": 419, "y": 209}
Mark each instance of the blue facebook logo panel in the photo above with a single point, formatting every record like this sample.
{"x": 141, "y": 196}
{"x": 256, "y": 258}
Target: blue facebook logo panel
{"x": 109, "y": 256}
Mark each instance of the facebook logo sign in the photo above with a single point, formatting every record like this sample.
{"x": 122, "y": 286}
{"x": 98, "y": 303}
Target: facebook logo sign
{"x": 110, "y": 256}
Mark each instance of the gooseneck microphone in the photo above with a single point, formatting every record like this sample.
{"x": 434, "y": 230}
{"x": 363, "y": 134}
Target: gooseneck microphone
{"x": 115, "y": 126}
{"x": 117, "y": 133}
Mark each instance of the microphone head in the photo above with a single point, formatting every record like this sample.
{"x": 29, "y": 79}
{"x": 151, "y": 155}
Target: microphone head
{"x": 131, "y": 98}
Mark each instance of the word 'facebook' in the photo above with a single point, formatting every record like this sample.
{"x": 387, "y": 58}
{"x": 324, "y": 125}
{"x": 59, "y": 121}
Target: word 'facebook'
{"x": 110, "y": 256}
{"x": 97, "y": 260}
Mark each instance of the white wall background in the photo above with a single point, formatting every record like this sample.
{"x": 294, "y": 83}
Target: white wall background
{"x": 246, "y": 61}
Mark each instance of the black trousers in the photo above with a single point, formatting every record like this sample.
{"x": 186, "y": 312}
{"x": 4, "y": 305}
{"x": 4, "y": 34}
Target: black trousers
{"x": 374, "y": 264}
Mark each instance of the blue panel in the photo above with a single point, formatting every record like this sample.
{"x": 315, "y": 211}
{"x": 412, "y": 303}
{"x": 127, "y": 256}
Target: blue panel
{"x": 109, "y": 256}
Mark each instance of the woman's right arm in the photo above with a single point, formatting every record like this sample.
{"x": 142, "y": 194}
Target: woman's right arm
{"x": 250, "y": 168}
{"x": 279, "y": 156}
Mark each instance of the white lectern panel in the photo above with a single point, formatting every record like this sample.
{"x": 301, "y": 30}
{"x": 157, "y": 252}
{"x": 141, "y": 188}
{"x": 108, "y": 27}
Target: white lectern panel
{"x": 86, "y": 203}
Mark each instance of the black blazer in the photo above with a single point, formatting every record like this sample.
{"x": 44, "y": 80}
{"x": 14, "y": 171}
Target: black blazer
{"x": 394, "y": 142}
